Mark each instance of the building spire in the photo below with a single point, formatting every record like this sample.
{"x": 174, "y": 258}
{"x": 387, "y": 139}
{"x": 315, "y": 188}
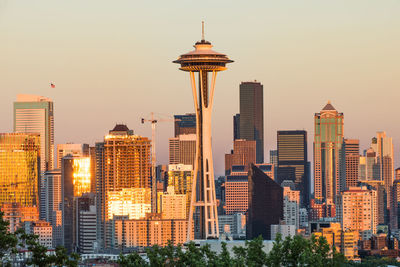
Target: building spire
{"x": 202, "y": 31}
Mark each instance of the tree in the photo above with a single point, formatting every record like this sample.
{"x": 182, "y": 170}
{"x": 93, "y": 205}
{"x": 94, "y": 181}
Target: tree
{"x": 8, "y": 241}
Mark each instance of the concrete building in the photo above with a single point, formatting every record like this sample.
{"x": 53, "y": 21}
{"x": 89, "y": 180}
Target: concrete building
{"x": 173, "y": 206}
{"x": 180, "y": 177}
{"x": 252, "y": 115}
{"x": 233, "y": 225}
{"x": 357, "y": 210}
{"x": 291, "y": 205}
{"x": 328, "y": 155}
{"x": 85, "y": 233}
{"x": 149, "y": 231}
{"x": 283, "y": 229}
{"x": 44, "y": 231}
{"x": 236, "y": 194}
{"x": 292, "y": 161}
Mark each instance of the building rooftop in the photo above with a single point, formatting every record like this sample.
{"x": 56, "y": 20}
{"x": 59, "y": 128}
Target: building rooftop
{"x": 328, "y": 106}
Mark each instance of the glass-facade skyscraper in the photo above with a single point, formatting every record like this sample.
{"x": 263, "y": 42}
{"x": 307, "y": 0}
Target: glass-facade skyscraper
{"x": 19, "y": 169}
{"x": 252, "y": 116}
{"x": 34, "y": 114}
{"x": 293, "y": 161}
{"x": 328, "y": 154}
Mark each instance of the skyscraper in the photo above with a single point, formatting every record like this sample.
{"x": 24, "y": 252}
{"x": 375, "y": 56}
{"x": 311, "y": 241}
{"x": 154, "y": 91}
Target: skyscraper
{"x": 252, "y": 115}
{"x": 77, "y": 150}
{"x": 383, "y": 147}
{"x": 203, "y": 60}
{"x": 182, "y": 149}
{"x": 19, "y": 169}
{"x": 328, "y": 155}
{"x": 185, "y": 124}
{"x": 236, "y": 127}
{"x": 265, "y": 204}
{"x": 352, "y": 163}
{"x": 122, "y": 161}
{"x": 243, "y": 153}
{"x": 293, "y": 161}
{"x": 34, "y": 114}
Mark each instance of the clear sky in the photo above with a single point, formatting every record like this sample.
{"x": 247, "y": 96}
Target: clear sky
{"x": 111, "y": 62}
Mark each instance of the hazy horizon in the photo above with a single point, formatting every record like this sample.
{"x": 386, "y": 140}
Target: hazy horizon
{"x": 112, "y": 63}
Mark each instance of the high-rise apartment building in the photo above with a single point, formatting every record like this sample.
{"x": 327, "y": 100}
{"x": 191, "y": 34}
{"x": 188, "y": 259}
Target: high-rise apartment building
{"x": 264, "y": 195}
{"x": 173, "y": 206}
{"x": 123, "y": 161}
{"x": 357, "y": 210}
{"x": 85, "y": 234}
{"x": 180, "y": 177}
{"x": 293, "y": 161}
{"x": 34, "y": 114}
{"x": 395, "y": 209}
{"x": 352, "y": 162}
{"x": 19, "y": 169}
{"x": 291, "y": 204}
{"x": 70, "y": 149}
{"x": 252, "y": 115}
{"x": 185, "y": 124}
{"x": 243, "y": 153}
{"x": 134, "y": 203}
{"x": 182, "y": 149}
{"x": 328, "y": 155}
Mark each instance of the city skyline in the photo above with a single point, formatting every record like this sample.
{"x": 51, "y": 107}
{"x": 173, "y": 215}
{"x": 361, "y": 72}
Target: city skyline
{"x": 342, "y": 71}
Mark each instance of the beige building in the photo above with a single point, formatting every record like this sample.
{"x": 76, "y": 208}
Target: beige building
{"x": 180, "y": 176}
{"x": 153, "y": 230}
{"x": 173, "y": 206}
{"x": 345, "y": 241}
{"x": 75, "y": 150}
{"x": 357, "y": 210}
{"x": 291, "y": 205}
{"x": 44, "y": 231}
{"x": 243, "y": 153}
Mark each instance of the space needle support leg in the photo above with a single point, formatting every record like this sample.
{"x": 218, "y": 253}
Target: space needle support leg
{"x": 195, "y": 167}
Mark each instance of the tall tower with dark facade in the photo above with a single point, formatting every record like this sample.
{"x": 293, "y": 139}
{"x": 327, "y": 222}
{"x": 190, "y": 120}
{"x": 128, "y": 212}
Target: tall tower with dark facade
{"x": 185, "y": 124}
{"x": 252, "y": 115}
{"x": 265, "y": 204}
{"x": 293, "y": 161}
{"x": 203, "y": 61}
{"x": 328, "y": 154}
{"x": 352, "y": 158}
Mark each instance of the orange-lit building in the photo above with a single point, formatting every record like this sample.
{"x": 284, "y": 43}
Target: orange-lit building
{"x": 16, "y": 215}
{"x": 357, "y": 210}
{"x": 132, "y": 202}
{"x": 173, "y": 206}
{"x": 243, "y": 153}
{"x": 153, "y": 230}
{"x": 180, "y": 177}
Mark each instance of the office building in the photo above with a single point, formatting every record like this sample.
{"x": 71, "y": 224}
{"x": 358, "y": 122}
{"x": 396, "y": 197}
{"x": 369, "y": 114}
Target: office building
{"x": 293, "y": 162}
{"x": 252, "y": 115}
{"x": 52, "y": 205}
{"x": 243, "y": 153}
{"x": 182, "y": 149}
{"x": 352, "y": 162}
{"x": 357, "y": 210}
{"x": 34, "y": 114}
{"x": 185, "y": 124}
{"x": 383, "y": 147}
{"x": 85, "y": 233}
{"x": 264, "y": 195}
{"x": 283, "y": 229}
{"x": 19, "y": 169}
{"x": 233, "y": 225}
{"x": 291, "y": 204}
{"x": 236, "y": 193}
{"x": 70, "y": 149}
{"x": 44, "y": 231}
{"x": 273, "y": 157}
{"x": 17, "y": 215}
{"x": 328, "y": 155}
{"x": 395, "y": 209}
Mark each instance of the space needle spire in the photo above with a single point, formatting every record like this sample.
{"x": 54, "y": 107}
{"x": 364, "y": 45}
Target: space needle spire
{"x": 204, "y": 62}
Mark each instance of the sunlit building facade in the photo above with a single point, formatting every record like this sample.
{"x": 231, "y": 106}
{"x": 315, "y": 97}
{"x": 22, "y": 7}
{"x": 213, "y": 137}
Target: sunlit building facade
{"x": 173, "y": 206}
{"x": 182, "y": 149}
{"x": 180, "y": 177}
{"x": 328, "y": 155}
{"x": 134, "y": 203}
{"x": 71, "y": 149}
{"x": 19, "y": 169}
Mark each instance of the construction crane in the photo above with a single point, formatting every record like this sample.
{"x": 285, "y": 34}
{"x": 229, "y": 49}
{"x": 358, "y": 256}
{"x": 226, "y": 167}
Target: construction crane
{"x": 154, "y": 122}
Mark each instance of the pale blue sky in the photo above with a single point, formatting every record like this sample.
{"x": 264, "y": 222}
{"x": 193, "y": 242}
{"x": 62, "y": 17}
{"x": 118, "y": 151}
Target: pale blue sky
{"x": 111, "y": 62}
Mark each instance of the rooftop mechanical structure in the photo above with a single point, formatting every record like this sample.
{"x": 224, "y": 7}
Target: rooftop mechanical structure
{"x": 204, "y": 61}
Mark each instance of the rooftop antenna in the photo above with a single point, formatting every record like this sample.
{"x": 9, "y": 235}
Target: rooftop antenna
{"x": 202, "y": 31}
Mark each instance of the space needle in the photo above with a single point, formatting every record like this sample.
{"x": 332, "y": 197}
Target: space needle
{"x": 203, "y": 60}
